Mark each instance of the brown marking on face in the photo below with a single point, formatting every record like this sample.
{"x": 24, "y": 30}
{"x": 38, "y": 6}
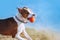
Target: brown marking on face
{"x": 23, "y": 12}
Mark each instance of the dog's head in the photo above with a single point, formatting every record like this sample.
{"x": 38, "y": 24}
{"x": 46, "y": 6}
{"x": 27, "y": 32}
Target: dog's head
{"x": 27, "y": 14}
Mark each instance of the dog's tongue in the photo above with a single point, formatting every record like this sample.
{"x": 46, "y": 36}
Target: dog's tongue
{"x": 32, "y": 19}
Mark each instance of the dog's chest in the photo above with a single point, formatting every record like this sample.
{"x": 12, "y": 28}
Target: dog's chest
{"x": 8, "y": 27}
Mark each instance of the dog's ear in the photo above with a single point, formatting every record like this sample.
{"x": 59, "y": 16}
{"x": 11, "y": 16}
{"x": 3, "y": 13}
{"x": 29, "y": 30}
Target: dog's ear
{"x": 19, "y": 10}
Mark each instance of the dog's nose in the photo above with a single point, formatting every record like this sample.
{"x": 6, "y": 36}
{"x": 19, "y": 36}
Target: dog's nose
{"x": 33, "y": 15}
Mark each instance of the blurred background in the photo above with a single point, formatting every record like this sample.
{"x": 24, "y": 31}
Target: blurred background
{"x": 47, "y": 12}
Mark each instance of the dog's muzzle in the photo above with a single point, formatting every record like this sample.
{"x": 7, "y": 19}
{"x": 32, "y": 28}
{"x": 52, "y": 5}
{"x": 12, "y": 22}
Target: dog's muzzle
{"x": 31, "y": 18}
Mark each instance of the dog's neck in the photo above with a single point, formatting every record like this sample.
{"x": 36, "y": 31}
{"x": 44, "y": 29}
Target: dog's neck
{"x": 20, "y": 18}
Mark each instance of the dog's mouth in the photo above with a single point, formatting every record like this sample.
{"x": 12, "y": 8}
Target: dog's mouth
{"x": 31, "y": 18}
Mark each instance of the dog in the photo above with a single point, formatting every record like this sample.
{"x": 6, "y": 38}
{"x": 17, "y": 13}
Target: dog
{"x": 14, "y": 26}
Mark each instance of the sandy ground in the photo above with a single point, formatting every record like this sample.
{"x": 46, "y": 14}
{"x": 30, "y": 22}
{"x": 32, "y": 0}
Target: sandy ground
{"x": 36, "y": 35}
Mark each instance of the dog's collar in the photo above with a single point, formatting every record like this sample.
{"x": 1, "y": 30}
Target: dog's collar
{"x": 20, "y": 20}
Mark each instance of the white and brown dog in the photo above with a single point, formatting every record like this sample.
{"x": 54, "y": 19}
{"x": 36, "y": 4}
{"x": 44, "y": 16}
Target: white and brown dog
{"x": 15, "y": 25}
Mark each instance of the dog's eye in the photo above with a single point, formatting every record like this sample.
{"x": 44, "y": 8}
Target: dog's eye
{"x": 27, "y": 12}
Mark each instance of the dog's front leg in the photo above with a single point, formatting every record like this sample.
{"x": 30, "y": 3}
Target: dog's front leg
{"x": 26, "y": 35}
{"x": 19, "y": 31}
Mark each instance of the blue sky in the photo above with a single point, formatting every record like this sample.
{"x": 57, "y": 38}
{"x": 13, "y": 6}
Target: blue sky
{"x": 47, "y": 11}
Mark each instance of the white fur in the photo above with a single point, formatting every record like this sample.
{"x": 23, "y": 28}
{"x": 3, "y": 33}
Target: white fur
{"x": 21, "y": 28}
{"x": 30, "y": 12}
